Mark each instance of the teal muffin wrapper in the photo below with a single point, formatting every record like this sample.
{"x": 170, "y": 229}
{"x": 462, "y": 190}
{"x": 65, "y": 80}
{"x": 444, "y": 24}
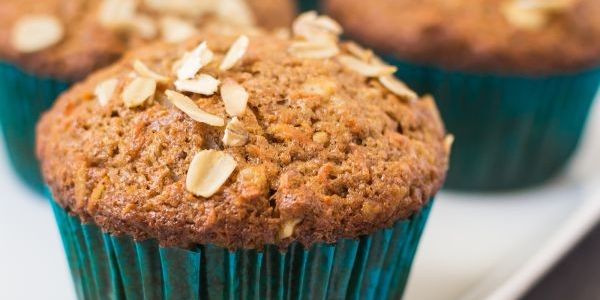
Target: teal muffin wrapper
{"x": 306, "y": 5}
{"x": 23, "y": 97}
{"x": 511, "y": 131}
{"x": 110, "y": 267}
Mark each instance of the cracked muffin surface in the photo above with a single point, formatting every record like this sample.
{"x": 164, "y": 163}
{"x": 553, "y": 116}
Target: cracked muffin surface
{"x": 327, "y": 152}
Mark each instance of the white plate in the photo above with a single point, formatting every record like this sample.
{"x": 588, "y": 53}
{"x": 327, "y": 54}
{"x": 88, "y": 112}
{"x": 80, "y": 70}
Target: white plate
{"x": 475, "y": 246}
{"x": 479, "y": 246}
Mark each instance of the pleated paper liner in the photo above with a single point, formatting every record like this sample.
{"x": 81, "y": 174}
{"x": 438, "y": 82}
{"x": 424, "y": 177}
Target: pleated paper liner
{"x": 23, "y": 97}
{"x": 109, "y": 267}
{"x": 511, "y": 131}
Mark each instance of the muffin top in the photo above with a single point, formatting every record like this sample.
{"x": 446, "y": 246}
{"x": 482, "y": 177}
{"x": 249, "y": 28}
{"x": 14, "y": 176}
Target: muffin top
{"x": 529, "y": 37}
{"x": 245, "y": 140}
{"x": 68, "y": 39}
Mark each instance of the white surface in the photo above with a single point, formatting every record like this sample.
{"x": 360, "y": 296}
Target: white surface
{"x": 475, "y": 246}
{"x": 32, "y": 263}
{"x": 496, "y": 246}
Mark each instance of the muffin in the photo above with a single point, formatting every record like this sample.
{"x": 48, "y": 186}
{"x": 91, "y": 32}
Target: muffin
{"x": 243, "y": 166}
{"x": 48, "y": 45}
{"x": 515, "y": 79}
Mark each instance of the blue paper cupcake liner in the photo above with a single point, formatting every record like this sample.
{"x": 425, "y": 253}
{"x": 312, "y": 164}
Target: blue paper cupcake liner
{"x": 109, "y": 267}
{"x": 511, "y": 131}
{"x": 306, "y": 5}
{"x": 23, "y": 97}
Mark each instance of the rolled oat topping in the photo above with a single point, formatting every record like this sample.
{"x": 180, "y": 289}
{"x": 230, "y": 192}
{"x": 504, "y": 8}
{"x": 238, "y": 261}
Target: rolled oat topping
{"x": 235, "y": 98}
{"x": 364, "y": 68}
{"x": 34, "y": 33}
{"x": 144, "y": 71}
{"x": 138, "y": 91}
{"x": 118, "y": 14}
{"x": 312, "y": 27}
{"x": 235, "y": 53}
{"x": 203, "y": 85}
{"x": 176, "y": 30}
{"x": 193, "y": 61}
{"x": 190, "y": 108}
{"x": 398, "y": 87}
{"x": 314, "y": 50}
{"x": 235, "y": 134}
{"x": 534, "y": 14}
{"x": 105, "y": 90}
{"x": 208, "y": 172}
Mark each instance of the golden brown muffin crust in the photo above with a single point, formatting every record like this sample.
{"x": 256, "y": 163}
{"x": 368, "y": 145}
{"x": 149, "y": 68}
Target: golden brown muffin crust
{"x": 342, "y": 163}
{"x": 273, "y": 13}
{"x": 475, "y": 35}
{"x": 88, "y": 44}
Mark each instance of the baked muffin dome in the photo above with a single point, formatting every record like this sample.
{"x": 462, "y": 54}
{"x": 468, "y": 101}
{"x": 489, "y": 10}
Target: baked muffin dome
{"x": 68, "y": 39}
{"x": 274, "y": 140}
{"x": 498, "y": 36}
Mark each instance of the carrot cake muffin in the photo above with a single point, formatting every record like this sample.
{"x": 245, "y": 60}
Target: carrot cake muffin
{"x": 245, "y": 143}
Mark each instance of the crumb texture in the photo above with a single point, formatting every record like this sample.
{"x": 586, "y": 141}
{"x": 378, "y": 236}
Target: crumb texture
{"x": 320, "y": 152}
{"x": 95, "y": 33}
{"x": 531, "y": 37}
